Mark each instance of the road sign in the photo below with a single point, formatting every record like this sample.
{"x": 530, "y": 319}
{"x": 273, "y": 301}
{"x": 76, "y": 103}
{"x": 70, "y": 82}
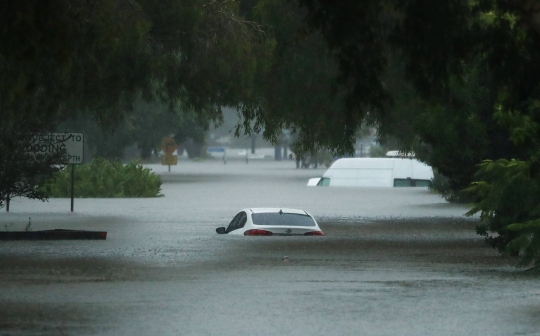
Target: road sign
{"x": 216, "y": 150}
{"x": 49, "y": 143}
{"x": 171, "y": 160}
{"x": 168, "y": 145}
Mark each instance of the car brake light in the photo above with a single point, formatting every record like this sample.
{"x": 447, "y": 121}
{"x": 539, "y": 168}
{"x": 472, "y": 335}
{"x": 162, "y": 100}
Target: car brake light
{"x": 255, "y": 232}
{"x": 314, "y": 233}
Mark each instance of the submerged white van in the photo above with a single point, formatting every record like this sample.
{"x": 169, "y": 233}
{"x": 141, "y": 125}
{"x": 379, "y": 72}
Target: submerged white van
{"x": 375, "y": 172}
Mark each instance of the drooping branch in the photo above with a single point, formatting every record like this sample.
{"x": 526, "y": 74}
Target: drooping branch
{"x": 529, "y": 10}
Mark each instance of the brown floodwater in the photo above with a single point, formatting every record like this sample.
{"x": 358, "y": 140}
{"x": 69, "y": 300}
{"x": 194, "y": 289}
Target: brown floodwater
{"x": 393, "y": 262}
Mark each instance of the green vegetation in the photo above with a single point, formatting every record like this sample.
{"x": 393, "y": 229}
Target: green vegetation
{"x": 440, "y": 185}
{"x": 508, "y": 199}
{"x": 94, "y": 60}
{"x": 463, "y": 91}
{"x": 104, "y": 179}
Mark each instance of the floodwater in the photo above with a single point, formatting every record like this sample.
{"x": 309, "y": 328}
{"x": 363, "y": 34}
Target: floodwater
{"x": 393, "y": 262}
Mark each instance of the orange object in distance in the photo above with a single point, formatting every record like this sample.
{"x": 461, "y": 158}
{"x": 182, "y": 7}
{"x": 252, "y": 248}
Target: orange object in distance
{"x": 168, "y": 145}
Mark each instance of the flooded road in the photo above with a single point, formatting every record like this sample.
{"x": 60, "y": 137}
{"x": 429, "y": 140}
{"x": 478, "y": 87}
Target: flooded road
{"x": 393, "y": 262}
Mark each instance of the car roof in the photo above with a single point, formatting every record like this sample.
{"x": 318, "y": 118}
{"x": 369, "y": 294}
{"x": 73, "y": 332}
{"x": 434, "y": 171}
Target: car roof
{"x": 277, "y": 210}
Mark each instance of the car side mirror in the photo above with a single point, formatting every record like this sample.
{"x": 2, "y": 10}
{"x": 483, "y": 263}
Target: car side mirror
{"x": 221, "y": 230}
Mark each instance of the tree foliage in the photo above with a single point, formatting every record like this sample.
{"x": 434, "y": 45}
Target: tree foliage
{"x": 60, "y": 59}
{"x": 268, "y": 65}
{"x": 59, "y": 56}
{"x": 21, "y": 170}
{"x": 55, "y": 58}
{"x": 297, "y": 89}
{"x": 436, "y": 42}
{"x": 463, "y": 78}
{"x": 508, "y": 199}
{"x": 453, "y": 132}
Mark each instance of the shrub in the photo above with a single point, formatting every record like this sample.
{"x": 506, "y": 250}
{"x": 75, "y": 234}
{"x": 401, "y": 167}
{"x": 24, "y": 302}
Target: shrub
{"x": 441, "y": 186}
{"x": 507, "y": 195}
{"x": 105, "y": 179}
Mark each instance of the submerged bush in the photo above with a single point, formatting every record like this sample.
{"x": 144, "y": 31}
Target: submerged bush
{"x": 440, "y": 185}
{"x": 105, "y": 179}
{"x": 507, "y": 195}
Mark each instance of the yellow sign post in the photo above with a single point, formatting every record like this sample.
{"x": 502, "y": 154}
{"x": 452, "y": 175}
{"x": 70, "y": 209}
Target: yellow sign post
{"x": 168, "y": 145}
{"x": 171, "y": 160}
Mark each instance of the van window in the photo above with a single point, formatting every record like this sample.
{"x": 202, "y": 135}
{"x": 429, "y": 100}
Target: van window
{"x": 410, "y": 183}
{"x": 324, "y": 182}
{"x": 422, "y": 183}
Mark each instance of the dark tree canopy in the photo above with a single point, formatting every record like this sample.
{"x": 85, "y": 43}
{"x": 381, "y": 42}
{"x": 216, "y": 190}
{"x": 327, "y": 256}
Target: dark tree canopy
{"x": 298, "y": 90}
{"x": 463, "y": 80}
{"x": 60, "y": 59}
{"x": 433, "y": 40}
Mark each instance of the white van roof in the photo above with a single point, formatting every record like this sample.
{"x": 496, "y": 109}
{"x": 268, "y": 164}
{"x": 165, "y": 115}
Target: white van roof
{"x": 355, "y": 163}
{"x": 376, "y": 172}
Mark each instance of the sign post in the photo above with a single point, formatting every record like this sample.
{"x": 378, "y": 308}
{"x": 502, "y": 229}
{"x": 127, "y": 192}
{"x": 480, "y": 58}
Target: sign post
{"x": 72, "y": 186}
{"x": 72, "y": 143}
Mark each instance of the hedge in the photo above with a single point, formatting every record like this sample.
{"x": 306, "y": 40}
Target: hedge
{"x": 105, "y": 179}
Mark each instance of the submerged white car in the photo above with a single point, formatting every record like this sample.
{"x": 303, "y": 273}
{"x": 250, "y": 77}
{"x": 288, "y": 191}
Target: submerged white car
{"x": 272, "y": 222}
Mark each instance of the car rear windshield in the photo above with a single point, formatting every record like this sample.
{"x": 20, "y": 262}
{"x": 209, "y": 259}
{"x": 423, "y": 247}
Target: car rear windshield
{"x": 270, "y": 218}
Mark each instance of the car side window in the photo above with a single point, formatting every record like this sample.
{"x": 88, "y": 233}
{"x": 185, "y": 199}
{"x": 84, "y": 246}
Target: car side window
{"x": 242, "y": 221}
{"x": 232, "y": 224}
